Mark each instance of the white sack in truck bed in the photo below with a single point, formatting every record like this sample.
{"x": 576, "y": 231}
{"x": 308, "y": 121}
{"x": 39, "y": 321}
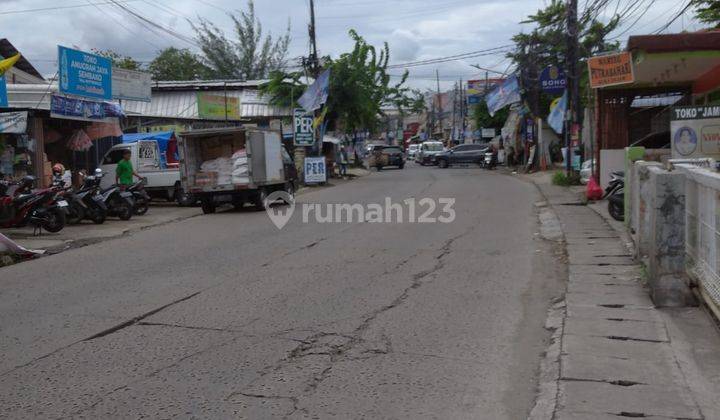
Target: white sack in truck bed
{"x": 240, "y": 167}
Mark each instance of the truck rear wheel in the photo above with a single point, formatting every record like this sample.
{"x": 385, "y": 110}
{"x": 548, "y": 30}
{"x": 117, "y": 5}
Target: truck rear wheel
{"x": 260, "y": 198}
{"x": 208, "y": 207}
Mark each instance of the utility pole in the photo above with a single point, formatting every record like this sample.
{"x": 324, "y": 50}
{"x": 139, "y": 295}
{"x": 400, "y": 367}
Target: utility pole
{"x": 573, "y": 82}
{"x": 314, "y": 64}
{"x": 440, "y": 106}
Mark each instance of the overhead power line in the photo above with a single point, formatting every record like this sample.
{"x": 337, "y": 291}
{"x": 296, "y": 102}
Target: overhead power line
{"x": 472, "y": 54}
{"x": 45, "y": 9}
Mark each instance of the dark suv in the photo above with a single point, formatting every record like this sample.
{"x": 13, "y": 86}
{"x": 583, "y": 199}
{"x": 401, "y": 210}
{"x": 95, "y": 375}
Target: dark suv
{"x": 387, "y": 156}
{"x": 464, "y": 153}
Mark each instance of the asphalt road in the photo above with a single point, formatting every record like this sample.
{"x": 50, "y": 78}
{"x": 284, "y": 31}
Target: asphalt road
{"x": 225, "y": 316}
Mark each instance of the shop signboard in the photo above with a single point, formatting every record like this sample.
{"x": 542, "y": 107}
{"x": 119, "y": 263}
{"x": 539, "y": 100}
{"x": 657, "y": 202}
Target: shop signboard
{"x": 13, "y": 122}
{"x": 3, "y": 92}
{"x": 695, "y": 131}
{"x": 610, "y": 70}
{"x": 304, "y": 134}
{"x": 552, "y": 80}
{"x": 475, "y": 89}
{"x": 131, "y": 85}
{"x": 84, "y": 110}
{"x": 315, "y": 170}
{"x": 218, "y": 107}
{"x": 488, "y": 133}
{"x": 84, "y": 74}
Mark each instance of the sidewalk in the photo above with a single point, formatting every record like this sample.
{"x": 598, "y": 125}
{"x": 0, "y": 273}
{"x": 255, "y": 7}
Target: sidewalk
{"x": 613, "y": 355}
{"x": 88, "y": 232}
{"x": 160, "y": 213}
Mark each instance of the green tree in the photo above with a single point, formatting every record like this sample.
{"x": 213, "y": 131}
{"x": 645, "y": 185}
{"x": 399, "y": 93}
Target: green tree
{"x": 177, "y": 64}
{"x": 284, "y": 89}
{"x": 483, "y": 119}
{"x": 708, "y": 11}
{"x": 251, "y": 56}
{"x": 546, "y": 44}
{"x": 359, "y": 88}
{"x": 119, "y": 60}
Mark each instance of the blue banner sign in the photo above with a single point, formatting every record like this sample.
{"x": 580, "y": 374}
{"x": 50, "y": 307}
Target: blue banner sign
{"x": 503, "y": 95}
{"x": 552, "y": 80}
{"x": 84, "y": 74}
{"x": 81, "y": 109}
{"x": 3, "y": 92}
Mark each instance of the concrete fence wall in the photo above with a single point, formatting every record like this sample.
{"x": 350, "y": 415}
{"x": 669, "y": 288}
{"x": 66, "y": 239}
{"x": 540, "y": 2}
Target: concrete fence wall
{"x": 674, "y": 221}
{"x": 702, "y": 221}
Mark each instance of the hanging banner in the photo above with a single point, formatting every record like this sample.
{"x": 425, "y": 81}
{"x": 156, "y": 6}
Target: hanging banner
{"x": 695, "y": 131}
{"x": 84, "y": 110}
{"x": 610, "y": 70}
{"x": 503, "y": 95}
{"x": 218, "y": 107}
{"x": 131, "y": 85}
{"x": 84, "y": 74}
{"x": 304, "y": 134}
{"x": 3, "y": 92}
{"x": 316, "y": 95}
{"x": 13, "y": 122}
{"x": 556, "y": 118}
{"x": 552, "y": 80}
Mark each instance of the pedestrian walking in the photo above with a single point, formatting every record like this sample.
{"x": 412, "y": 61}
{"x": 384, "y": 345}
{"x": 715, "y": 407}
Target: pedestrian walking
{"x": 124, "y": 172}
{"x": 343, "y": 159}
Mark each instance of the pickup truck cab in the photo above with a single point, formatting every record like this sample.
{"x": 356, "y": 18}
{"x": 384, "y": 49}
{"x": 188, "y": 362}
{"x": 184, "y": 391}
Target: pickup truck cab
{"x": 154, "y": 157}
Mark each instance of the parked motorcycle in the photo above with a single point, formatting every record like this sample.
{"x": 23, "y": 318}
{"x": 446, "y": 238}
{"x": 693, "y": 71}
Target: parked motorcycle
{"x": 615, "y": 194}
{"x": 140, "y": 196}
{"x": 92, "y": 201}
{"x": 42, "y": 209}
{"x": 118, "y": 202}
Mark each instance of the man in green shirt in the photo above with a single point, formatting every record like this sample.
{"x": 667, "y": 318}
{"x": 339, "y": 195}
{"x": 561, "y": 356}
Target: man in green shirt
{"x": 124, "y": 171}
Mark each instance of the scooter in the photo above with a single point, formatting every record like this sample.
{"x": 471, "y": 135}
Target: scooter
{"x": 118, "y": 202}
{"x": 43, "y": 209}
{"x": 615, "y": 194}
{"x": 141, "y": 197}
{"x": 91, "y": 199}
{"x": 76, "y": 208}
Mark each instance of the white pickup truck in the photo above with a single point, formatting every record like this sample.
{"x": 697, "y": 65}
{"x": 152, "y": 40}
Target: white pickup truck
{"x": 150, "y": 161}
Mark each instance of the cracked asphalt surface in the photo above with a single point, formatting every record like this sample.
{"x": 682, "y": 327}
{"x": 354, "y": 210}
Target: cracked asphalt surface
{"x": 224, "y": 316}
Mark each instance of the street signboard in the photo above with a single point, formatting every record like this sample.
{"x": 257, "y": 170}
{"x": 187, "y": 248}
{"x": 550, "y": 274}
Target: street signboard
{"x": 304, "y": 134}
{"x": 218, "y": 107}
{"x": 695, "y": 131}
{"x": 13, "y": 122}
{"x": 84, "y": 110}
{"x": 315, "y": 170}
{"x": 84, "y": 74}
{"x": 131, "y": 85}
{"x": 3, "y": 92}
{"x": 552, "y": 80}
{"x": 611, "y": 70}
{"x": 488, "y": 132}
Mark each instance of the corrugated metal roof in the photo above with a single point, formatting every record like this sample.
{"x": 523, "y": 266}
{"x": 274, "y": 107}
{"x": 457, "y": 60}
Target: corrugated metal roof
{"x": 204, "y": 84}
{"x": 165, "y": 104}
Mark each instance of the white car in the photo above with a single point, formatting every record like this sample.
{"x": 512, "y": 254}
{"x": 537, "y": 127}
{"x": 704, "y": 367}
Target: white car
{"x": 412, "y": 151}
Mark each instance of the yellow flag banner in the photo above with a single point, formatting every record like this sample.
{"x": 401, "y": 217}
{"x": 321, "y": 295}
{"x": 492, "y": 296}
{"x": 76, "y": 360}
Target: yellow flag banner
{"x": 320, "y": 118}
{"x": 8, "y": 62}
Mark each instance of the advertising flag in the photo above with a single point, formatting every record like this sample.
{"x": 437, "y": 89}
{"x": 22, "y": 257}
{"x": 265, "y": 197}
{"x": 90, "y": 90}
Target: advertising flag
{"x": 503, "y": 95}
{"x": 316, "y": 95}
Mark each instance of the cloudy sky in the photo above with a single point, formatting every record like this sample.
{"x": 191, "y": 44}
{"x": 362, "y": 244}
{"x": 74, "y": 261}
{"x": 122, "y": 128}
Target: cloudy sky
{"x": 415, "y": 29}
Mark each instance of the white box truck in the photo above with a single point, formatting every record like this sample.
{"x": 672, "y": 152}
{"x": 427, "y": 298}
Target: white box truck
{"x": 234, "y": 165}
